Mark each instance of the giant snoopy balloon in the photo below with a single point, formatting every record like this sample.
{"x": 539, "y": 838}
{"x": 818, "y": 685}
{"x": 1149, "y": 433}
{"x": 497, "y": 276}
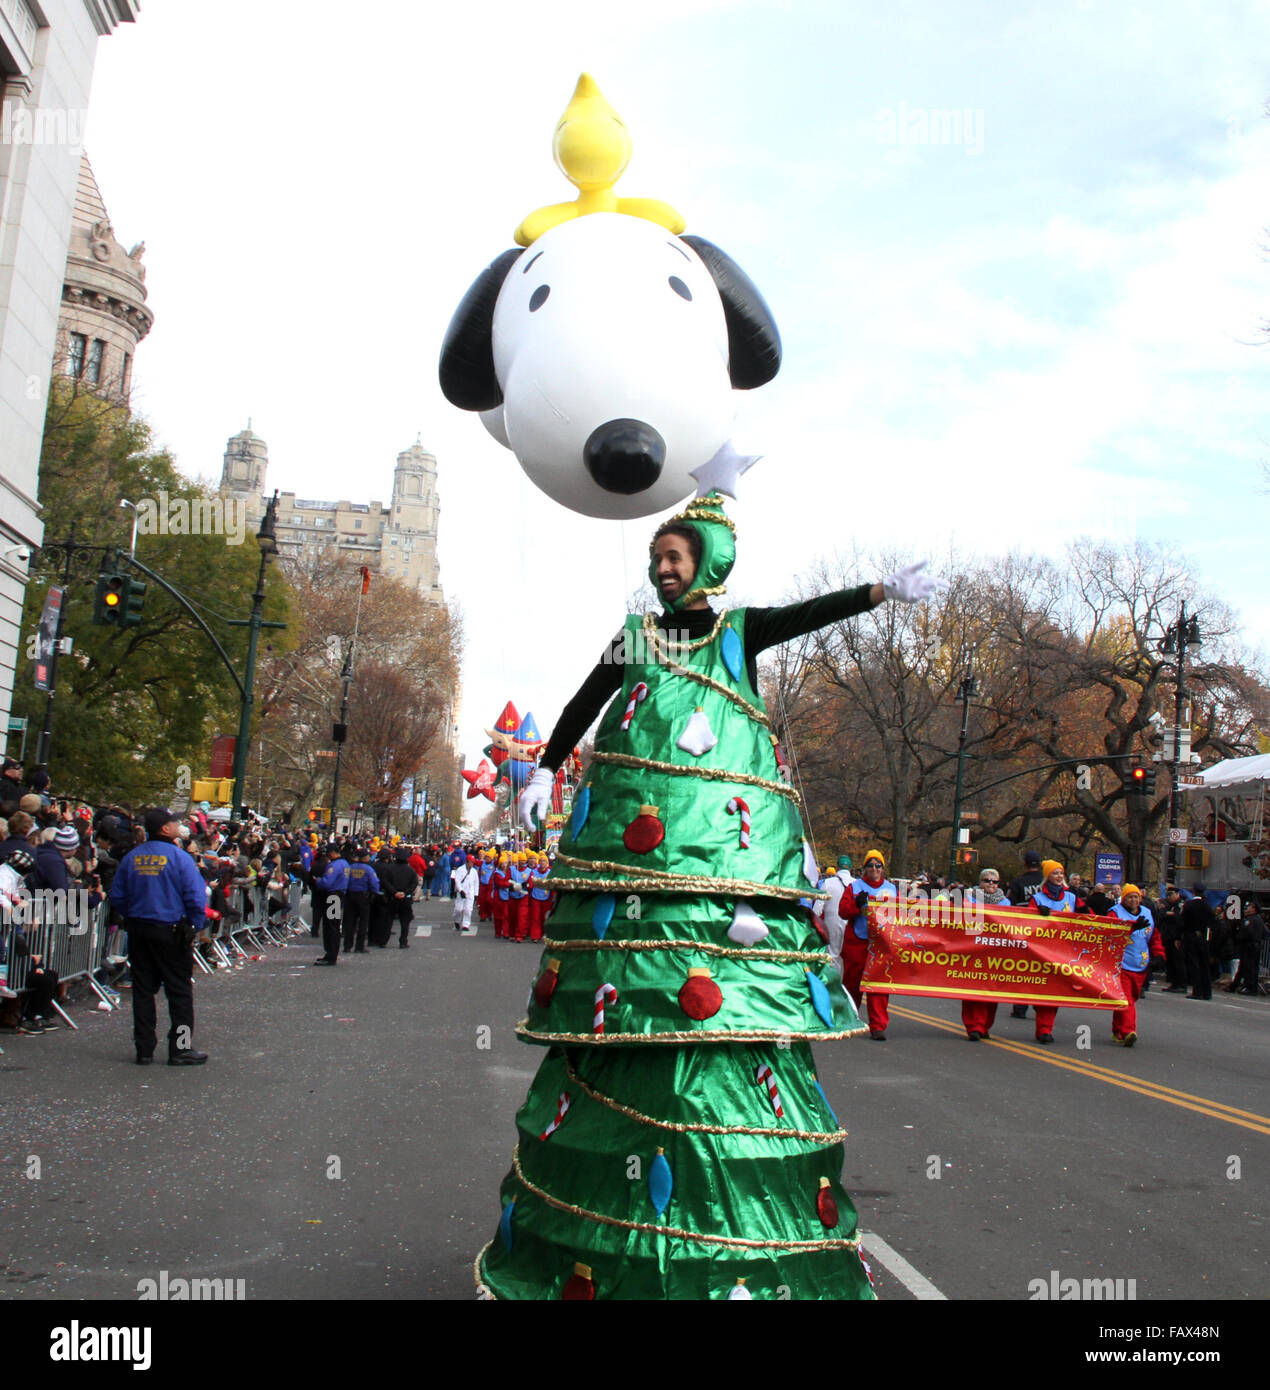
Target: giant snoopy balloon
{"x": 607, "y": 352}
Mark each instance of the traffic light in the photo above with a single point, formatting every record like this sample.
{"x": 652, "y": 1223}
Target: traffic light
{"x": 134, "y": 601}
{"x": 1136, "y": 781}
{"x": 967, "y": 855}
{"x": 1148, "y": 782}
{"x": 109, "y": 601}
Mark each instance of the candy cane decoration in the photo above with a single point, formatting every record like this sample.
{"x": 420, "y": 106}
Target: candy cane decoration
{"x": 763, "y": 1075}
{"x": 605, "y": 994}
{"x": 637, "y": 697}
{"x": 562, "y": 1108}
{"x": 735, "y": 805}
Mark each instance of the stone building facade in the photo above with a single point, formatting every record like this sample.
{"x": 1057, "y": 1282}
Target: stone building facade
{"x": 46, "y": 66}
{"x": 398, "y": 540}
{"x": 104, "y": 314}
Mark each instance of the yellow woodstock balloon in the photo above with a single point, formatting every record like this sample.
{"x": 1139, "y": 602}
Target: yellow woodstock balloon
{"x": 592, "y": 148}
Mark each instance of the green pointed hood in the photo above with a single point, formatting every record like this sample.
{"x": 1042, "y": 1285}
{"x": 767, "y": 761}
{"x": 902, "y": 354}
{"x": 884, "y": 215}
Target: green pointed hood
{"x": 718, "y": 550}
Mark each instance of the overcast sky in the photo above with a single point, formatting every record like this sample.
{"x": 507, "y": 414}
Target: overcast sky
{"x": 1051, "y": 327}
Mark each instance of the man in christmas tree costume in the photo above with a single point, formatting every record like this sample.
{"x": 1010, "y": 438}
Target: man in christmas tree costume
{"x": 675, "y": 1142}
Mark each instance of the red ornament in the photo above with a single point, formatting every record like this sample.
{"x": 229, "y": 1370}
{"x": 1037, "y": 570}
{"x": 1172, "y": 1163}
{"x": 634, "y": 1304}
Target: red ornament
{"x": 700, "y": 997}
{"x": 546, "y": 985}
{"x": 579, "y": 1284}
{"x": 826, "y": 1207}
{"x": 645, "y": 832}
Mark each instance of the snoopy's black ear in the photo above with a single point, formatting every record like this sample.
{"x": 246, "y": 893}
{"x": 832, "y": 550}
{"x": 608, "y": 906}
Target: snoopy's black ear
{"x": 754, "y": 344}
{"x": 468, "y": 379}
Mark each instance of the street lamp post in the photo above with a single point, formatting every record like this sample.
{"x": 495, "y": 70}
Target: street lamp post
{"x": 268, "y": 543}
{"x": 1177, "y": 637}
{"x": 968, "y": 690}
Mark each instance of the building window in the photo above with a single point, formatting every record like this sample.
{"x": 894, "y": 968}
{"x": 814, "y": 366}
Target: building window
{"x": 125, "y": 380}
{"x": 79, "y": 350}
{"x": 358, "y": 525}
{"x": 95, "y": 357}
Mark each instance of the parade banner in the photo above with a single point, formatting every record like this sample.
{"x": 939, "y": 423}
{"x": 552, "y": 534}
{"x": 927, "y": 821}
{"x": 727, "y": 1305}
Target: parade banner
{"x": 966, "y": 950}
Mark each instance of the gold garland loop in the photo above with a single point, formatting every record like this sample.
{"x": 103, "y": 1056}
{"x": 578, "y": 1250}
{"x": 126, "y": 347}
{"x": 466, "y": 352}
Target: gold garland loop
{"x": 673, "y": 944}
{"x": 836, "y": 1136}
{"x": 687, "y": 1035}
{"x": 736, "y": 1242}
{"x": 666, "y": 881}
{"x": 711, "y": 774}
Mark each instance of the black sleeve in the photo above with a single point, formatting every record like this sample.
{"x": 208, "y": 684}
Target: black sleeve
{"x": 581, "y": 712}
{"x": 769, "y": 627}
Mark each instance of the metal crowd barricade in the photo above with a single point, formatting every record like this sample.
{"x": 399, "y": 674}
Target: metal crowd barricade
{"x": 60, "y": 930}
{"x": 74, "y": 938}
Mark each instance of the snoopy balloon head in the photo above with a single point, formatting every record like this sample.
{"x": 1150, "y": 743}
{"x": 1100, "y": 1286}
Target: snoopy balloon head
{"x": 606, "y": 354}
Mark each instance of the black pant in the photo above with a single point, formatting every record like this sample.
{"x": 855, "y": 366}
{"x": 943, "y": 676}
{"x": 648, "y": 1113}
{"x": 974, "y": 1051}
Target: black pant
{"x": 1248, "y": 974}
{"x": 332, "y": 921}
{"x": 161, "y": 955}
{"x": 380, "y": 921}
{"x": 356, "y": 920}
{"x": 1195, "y": 949}
{"x": 1174, "y": 961}
{"x": 401, "y": 911}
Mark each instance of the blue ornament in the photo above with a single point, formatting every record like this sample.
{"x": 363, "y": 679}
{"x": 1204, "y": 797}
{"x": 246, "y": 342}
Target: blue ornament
{"x": 581, "y": 810}
{"x": 820, "y": 1000}
{"x": 825, "y": 1098}
{"x": 602, "y": 913}
{"x": 661, "y": 1182}
{"x": 505, "y": 1226}
{"x": 733, "y": 656}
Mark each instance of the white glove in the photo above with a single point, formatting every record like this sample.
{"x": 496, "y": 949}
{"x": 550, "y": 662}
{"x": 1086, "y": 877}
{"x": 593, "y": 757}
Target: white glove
{"x": 910, "y": 585}
{"x": 536, "y": 797}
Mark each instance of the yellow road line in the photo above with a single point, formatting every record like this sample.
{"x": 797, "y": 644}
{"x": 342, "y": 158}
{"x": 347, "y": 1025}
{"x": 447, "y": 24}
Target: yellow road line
{"x": 1215, "y": 1110}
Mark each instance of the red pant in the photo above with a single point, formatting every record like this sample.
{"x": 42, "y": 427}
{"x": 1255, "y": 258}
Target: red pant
{"x": 536, "y": 909}
{"x": 1045, "y": 1016}
{"x": 500, "y": 915}
{"x": 482, "y": 902}
{"x": 517, "y": 918}
{"x": 978, "y": 1015}
{"x": 1125, "y": 1021}
{"x": 879, "y": 1010}
{"x": 854, "y": 952}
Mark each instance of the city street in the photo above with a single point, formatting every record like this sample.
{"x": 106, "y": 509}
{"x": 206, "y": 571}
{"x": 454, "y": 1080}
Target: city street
{"x": 349, "y": 1134}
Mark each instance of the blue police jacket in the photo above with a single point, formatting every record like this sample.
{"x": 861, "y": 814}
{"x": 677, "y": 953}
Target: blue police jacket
{"x": 362, "y": 878}
{"x": 159, "y": 882}
{"x": 335, "y": 879}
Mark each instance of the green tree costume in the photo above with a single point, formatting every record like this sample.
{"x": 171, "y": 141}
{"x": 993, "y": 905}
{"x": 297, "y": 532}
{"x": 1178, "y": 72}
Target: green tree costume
{"x": 675, "y": 1141}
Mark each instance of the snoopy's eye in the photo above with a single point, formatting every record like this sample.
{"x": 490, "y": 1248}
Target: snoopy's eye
{"x": 539, "y": 297}
{"x": 679, "y": 287}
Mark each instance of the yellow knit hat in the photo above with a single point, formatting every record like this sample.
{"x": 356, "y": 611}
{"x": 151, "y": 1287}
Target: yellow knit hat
{"x": 1049, "y": 865}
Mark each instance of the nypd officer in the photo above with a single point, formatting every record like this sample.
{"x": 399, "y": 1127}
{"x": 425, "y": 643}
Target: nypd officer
{"x": 159, "y": 892}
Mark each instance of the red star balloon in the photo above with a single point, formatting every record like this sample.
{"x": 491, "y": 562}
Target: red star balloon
{"x": 482, "y": 781}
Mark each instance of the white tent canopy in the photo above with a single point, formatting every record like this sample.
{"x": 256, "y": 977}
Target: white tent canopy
{"x": 1234, "y": 776}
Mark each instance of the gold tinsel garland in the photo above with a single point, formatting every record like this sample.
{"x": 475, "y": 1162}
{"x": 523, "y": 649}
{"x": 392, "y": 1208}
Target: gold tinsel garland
{"x": 664, "y": 881}
{"x": 662, "y": 649}
{"x": 737, "y": 1242}
{"x": 711, "y": 774}
{"x": 708, "y": 947}
{"x": 811, "y": 1136}
{"x": 686, "y": 1035}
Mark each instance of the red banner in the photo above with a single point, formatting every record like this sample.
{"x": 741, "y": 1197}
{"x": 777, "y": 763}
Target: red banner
{"x": 1009, "y": 955}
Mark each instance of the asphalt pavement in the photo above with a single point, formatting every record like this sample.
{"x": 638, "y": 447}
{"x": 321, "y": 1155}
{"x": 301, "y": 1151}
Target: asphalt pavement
{"x": 349, "y": 1134}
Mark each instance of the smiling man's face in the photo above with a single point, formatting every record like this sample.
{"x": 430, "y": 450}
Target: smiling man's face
{"x": 674, "y": 566}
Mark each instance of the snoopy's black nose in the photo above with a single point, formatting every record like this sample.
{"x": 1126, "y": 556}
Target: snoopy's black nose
{"x": 625, "y": 455}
